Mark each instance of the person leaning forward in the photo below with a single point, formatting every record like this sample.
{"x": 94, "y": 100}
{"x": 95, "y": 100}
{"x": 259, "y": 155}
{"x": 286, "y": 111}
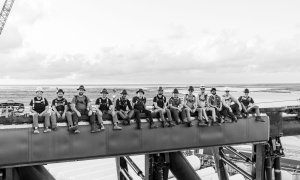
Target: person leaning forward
{"x": 39, "y": 107}
{"x": 139, "y": 105}
{"x": 124, "y": 108}
{"x": 81, "y": 105}
{"x": 176, "y": 107}
{"x": 104, "y": 106}
{"x": 60, "y": 111}
{"x": 160, "y": 108}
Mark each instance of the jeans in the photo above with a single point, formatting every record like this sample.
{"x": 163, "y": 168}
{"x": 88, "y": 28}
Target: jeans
{"x": 176, "y": 114}
{"x": 54, "y": 118}
{"x": 161, "y": 113}
{"x": 84, "y": 112}
{"x": 45, "y": 117}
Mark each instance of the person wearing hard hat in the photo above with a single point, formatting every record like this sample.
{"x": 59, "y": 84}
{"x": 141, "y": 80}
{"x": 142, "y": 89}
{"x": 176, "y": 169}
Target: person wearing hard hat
{"x": 124, "y": 108}
{"x": 104, "y": 106}
{"x": 160, "y": 108}
{"x": 215, "y": 101}
{"x": 39, "y": 107}
{"x": 139, "y": 105}
{"x": 231, "y": 106}
{"x": 81, "y": 105}
{"x": 190, "y": 106}
{"x": 203, "y": 108}
{"x": 176, "y": 107}
{"x": 249, "y": 106}
{"x": 60, "y": 111}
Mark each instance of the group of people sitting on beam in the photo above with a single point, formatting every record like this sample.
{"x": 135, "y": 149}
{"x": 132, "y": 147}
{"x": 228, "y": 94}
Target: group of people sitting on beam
{"x": 208, "y": 109}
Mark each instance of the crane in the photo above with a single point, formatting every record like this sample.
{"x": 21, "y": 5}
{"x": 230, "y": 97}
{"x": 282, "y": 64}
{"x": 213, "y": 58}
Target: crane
{"x": 5, "y": 12}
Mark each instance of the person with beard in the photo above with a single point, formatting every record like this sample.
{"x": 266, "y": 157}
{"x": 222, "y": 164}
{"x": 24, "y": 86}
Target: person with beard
{"x": 160, "y": 108}
{"x": 104, "y": 106}
{"x": 215, "y": 101}
{"x": 176, "y": 107}
{"x": 204, "y": 108}
{"x": 81, "y": 105}
{"x": 190, "y": 105}
{"x": 124, "y": 108}
{"x": 39, "y": 107}
{"x": 248, "y": 106}
{"x": 231, "y": 106}
{"x": 139, "y": 105}
{"x": 60, "y": 111}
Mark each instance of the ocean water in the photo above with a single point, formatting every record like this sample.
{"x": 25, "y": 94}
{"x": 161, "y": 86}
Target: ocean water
{"x": 267, "y": 95}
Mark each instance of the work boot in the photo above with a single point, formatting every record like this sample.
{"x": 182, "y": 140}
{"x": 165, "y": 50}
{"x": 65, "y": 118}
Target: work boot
{"x": 201, "y": 123}
{"x": 239, "y": 116}
{"x": 138, "y": 126}
{"x": 215, "y": 123}
{"x": 116, "y": 127}
{"x": 171, "y": 124}
{"x": 163, "y": 124}
{"x": 94, "y": 129}
{"x": 190, "y": 124}
{"x": 126, "y": 122}
{"x": 234, "y": 119}
{"x": 258, "y": 118}
{"x": 152, "y": 126}
{"x": 245, "y": 115}
{"x": 54, "y": 128}
{"x": 36, "y": 131}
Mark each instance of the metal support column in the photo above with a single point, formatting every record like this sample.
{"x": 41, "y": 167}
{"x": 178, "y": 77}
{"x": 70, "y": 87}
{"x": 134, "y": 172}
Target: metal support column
{"x": 220, "y": 166}
{"x": 181, "y": 168}
{"x": 277, "y": 168}
{"x": 259, "y": 156}
{"x": 269, "y": 168}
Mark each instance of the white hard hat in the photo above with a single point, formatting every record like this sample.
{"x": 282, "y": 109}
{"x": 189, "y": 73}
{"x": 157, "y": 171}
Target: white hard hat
{"x": 227, "y": 89}
{"x": 202, "y": 86}
{"x": 39, "y": 89}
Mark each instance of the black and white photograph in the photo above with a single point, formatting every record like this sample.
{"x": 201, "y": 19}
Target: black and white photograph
{"x": 149, "y": 90}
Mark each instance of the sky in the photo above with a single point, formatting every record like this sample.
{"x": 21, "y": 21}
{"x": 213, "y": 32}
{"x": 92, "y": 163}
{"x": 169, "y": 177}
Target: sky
{"x": 156, "y": 42}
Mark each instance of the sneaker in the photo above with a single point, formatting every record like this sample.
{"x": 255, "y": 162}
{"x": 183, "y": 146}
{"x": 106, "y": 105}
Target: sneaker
{"x": 54, "y": 128}
{"x": 239, "y": 116}
{"x": 116, "y": 127}
{"x": 36, "y": 131}
{"x": 47, "y": 130}
{"x": 102, "y": 127}
{"x": 201, "y": 123}
{"x": 76, "y": 131}
{"x": 93, "y": 130}
{"x": 258, "y": 118}
{"x": 177, "y": 122}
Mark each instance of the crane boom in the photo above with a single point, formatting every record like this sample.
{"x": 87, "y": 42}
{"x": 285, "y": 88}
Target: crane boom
{"x": 5, "y": 12}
